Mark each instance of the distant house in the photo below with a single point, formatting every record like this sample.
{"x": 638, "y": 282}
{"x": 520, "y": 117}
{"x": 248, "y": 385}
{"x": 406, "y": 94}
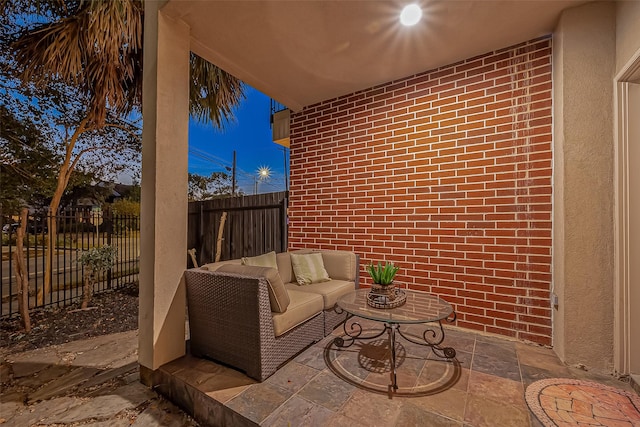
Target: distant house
{"x": 95, "y": 196}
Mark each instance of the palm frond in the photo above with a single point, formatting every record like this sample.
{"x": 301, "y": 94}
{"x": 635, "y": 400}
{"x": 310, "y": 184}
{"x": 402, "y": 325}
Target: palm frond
{"x": 213, "y": 93}
{"x": 97, "y": 47}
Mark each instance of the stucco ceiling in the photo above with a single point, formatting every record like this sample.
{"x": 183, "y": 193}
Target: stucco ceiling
{"x": 303, "y": 52}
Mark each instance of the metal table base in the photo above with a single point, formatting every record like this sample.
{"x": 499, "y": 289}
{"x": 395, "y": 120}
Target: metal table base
{"x": 432, "y": 337}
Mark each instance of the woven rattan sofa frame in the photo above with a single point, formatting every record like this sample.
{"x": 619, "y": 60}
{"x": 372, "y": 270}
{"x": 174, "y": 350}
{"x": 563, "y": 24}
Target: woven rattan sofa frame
{"x": 230, "y": 322}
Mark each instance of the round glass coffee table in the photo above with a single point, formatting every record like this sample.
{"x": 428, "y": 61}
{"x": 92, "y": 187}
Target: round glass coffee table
{"x": 420, "y": 308}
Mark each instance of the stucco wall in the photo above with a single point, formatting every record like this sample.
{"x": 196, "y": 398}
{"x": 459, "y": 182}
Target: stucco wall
{"x": 164, "y": 195}
{"x": 557, "y": 286}
{"x": 447, "y": 174}
{"x": 627, "y": 31}
{"x": 584, "y": 64}
{"x": 627, "y": 333}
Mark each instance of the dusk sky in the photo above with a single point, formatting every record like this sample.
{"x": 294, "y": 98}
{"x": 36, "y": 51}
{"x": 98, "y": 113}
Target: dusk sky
{"x": 210, "y": 149}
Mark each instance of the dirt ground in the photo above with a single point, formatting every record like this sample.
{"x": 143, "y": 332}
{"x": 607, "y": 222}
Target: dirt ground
{"x": 109, "y": 312}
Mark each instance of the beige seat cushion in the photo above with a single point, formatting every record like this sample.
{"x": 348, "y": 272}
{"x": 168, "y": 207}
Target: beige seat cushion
{"x": 265, "y": 260}
{"x": 330, "y": 291}
{"x": 283, "y": 259}
{"x": 341, "y": 265}
{"x": 278, "y": 295}
{"x": 303, "y": 306}
{"x": 214, "y": 266}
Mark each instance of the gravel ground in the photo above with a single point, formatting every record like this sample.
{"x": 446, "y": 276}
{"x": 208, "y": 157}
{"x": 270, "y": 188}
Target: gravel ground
{"x": 109, "y": 312}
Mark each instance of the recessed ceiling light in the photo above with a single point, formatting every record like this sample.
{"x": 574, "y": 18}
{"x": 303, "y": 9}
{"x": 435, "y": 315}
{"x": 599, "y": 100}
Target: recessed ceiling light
{"x": 410, "y": 15}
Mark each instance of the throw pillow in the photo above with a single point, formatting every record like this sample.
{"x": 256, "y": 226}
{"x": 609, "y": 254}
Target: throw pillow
{"x": 266, "y": 260}
{"x": 278, "y": 296}
{"x": 309, "y": 268}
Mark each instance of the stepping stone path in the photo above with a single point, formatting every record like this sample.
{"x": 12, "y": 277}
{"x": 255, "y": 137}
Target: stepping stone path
{"x": 90, "y": 382}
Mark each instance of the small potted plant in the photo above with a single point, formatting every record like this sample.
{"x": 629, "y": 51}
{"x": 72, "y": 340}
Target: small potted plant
{"x": 383, "y": 293}
{"x": 382, "y": 275}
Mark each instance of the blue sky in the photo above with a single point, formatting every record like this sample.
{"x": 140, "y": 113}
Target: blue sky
{"x": 211, "y": 149}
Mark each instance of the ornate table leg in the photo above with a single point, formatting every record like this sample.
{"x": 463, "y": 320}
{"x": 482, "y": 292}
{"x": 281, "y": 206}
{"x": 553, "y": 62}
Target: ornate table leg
{"x": 392, "y": 343}
{"x": 433, "y": 336}
{"x": 354, "y": 332}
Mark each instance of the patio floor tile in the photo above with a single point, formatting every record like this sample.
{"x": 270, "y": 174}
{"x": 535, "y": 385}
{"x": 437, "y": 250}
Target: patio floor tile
{"x": 349, "y": 362}
{"x": 462, "y": 343}
{"x": 504, "y": 350}
{"x": 376, "y": 409}
{"x": 531, "y": 374}
{"x": 463, "y": 357}
{"x": 496, "y": 388}
{"x": 449, "y": 403}
{"x": 299, "y": 412}
{"x": 339, "y": 420}
{"x": 327, "y": 390}
{"x": 293, "y": 376}
{"x": 440, "y": 373}
{"x": 483, "y": 412}
{"x": 412, "y": 415}
{"x": 483, "y": 386}
{"x": 501, "y": 367}
{"x": 259, "y": 401}
{"x": 313, "y": 357}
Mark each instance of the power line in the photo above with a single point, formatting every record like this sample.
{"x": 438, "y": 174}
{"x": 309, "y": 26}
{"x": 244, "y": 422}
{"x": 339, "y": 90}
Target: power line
{"x": 249, "y": 179}
{"x": 208, "y": 158}
{"x": 205, "y": 156}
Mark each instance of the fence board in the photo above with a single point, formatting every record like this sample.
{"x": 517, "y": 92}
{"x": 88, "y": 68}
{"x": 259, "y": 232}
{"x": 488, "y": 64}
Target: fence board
{"x": 254, "y": 226}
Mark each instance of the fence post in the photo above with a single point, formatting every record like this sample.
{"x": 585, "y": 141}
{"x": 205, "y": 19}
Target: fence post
{"x": 201, "y": 238}
{"x": 108, "y": 226}
{"x": 284, "y": 224}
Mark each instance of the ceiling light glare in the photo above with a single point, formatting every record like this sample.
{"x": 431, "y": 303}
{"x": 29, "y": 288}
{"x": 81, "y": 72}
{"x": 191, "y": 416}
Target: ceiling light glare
{"x": 410, "y": 15}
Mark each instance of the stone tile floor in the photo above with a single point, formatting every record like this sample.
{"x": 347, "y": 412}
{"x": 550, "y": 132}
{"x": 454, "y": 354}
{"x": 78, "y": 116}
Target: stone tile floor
{"x": 326, "y": 386}
{"x": 96, "y": 382}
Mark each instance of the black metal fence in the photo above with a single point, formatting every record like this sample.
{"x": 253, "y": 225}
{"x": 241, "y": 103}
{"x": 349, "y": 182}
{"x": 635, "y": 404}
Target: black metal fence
{"x": 254, "y": 225}
{"x": 77, "y": 231}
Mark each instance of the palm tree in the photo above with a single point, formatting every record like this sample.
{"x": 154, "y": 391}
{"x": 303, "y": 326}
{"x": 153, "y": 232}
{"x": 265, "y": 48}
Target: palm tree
{"x": 95, "y": 46}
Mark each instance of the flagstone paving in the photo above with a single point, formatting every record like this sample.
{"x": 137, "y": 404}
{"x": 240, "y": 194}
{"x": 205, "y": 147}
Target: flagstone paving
{"x": 89, "y": 382}
{"x": 328, "y": 386}
{"x": 96, "y": 382}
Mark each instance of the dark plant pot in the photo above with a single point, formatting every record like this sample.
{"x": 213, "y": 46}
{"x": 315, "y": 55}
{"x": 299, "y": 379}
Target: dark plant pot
{"x": 384, "y": 290}
{"x": 385, "y": 296}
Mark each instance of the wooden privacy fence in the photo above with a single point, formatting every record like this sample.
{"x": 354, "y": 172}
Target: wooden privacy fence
{"x": 254, "y": 225}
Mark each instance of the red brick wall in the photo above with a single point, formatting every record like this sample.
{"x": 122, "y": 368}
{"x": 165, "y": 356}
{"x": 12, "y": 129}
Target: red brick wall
{"x": 448, "y": 175}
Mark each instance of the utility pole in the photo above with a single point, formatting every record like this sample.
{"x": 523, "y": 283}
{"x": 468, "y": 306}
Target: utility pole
{"x": 233, "y": 175}
{"x": 286, "y": 173}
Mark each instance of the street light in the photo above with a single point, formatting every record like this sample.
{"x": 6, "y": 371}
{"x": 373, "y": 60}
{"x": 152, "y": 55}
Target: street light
{"x": 264, "y": 172}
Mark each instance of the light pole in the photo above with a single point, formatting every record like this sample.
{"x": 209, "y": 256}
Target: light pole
{"x": 286, "y": 170}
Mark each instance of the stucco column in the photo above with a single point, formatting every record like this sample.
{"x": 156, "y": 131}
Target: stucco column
{"x": 164, "y": 188}
{"x": 583, "y": 220}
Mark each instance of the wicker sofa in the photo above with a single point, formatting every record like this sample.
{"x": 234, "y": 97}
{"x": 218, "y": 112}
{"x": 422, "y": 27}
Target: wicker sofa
{"x": 234, "y": 316}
